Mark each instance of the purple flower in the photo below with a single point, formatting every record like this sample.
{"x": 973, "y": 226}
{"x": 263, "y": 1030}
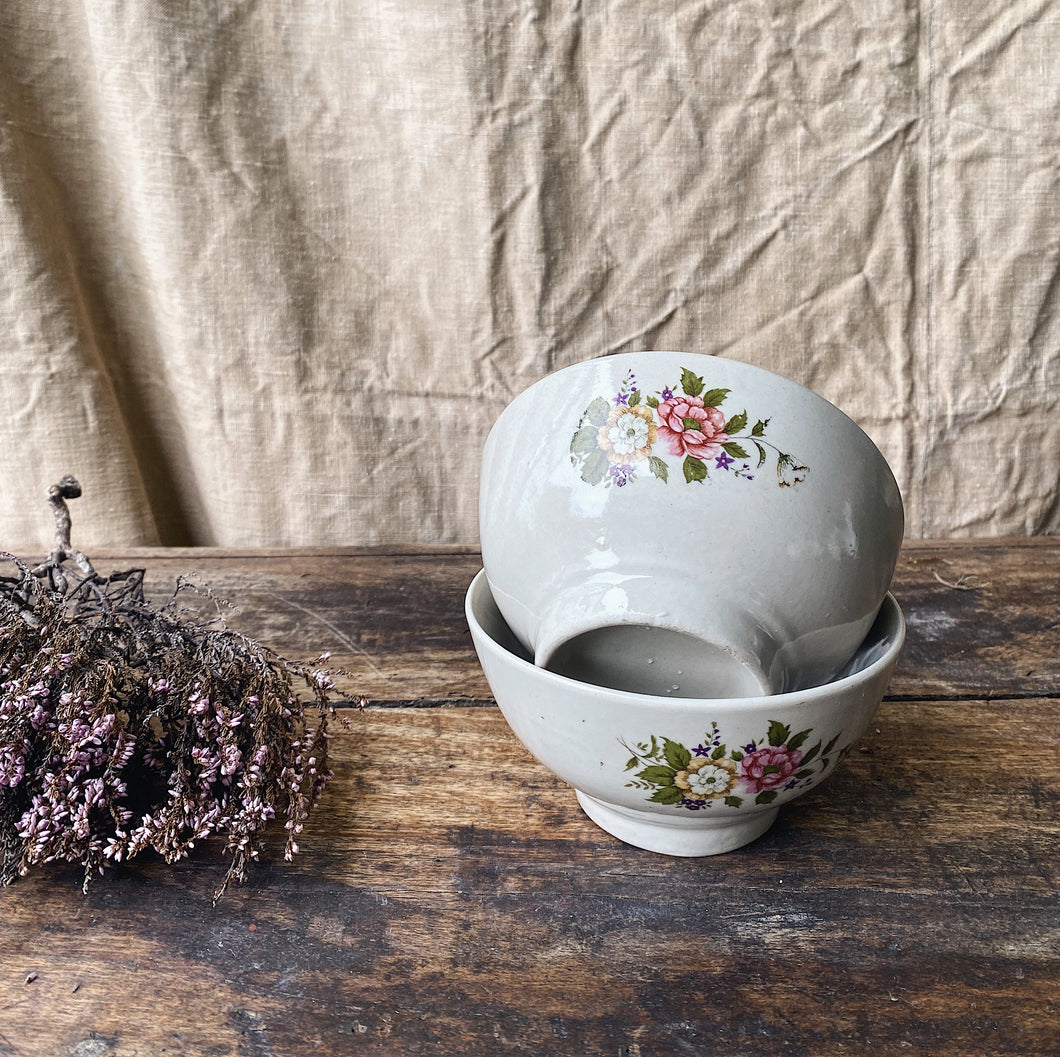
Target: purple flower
{"x": 621, "y": 399}
{"x": 723, "y": 461}
{"x": 666, "y": 394}
{"x": 621, "y": 475}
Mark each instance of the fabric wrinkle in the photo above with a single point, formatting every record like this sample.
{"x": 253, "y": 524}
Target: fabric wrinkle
{"x": 269, "y": 272}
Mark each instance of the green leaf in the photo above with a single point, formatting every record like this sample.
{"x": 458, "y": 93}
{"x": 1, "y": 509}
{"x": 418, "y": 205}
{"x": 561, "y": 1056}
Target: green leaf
{"x": 714, "y": 397}
{"x": 692, "y": 384}
{"x": 736, "y": 423}
{"x": 766, "y": 798}
{"x": 652, "y": 401}
{"x": 733, "y": 801}
{"x": 691, "y": 423}
{"x": 677, "y": 756}
{"x": 735, "y": 450}
{"x": 658, "y": 467}
{"x": 669, "y": 795}
{"x": 658, "y": 775}
{"x": 761, "y": 453}
{"x": 695, "y": 469}
{"x": 811, "y": 753}
{"x": 796, "y": 740}
{"x": 597, "y": 411}
{"x": 584, "y": 441}
{"x": 759, "y": 428}
{"x": 634, "y": 398}
{"x": 633, "y": 761}
{"x": 778, "y": 733}
{"x": 805, "y": 773}
{"x": 718, "y": 753}
{"x": 595, "y": 467}
{"x": 737, "y": 756}
{"x": 831, "y": 745}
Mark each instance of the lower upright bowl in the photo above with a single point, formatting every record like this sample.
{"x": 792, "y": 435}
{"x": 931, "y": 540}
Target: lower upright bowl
{"x": 679, "y": 775}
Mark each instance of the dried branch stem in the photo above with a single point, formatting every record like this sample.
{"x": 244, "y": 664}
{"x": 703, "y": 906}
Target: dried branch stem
{"x": 52, "y": 567}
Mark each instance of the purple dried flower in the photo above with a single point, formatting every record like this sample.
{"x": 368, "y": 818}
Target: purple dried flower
{"x": 126, "y": 727}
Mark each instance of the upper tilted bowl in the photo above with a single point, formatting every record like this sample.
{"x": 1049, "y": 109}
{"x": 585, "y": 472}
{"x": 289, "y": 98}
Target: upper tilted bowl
{"x": 684, "y": 524}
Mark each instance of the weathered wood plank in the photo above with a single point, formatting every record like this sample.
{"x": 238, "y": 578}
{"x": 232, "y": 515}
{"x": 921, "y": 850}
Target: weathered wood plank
{"x": 1000, "y": 639}
{"x": 395, "y": 621}
{"x": 451, "y": 898}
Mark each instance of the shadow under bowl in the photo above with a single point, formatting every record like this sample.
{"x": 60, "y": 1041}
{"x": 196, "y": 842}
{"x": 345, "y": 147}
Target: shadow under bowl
{"x": 679, "y": 775}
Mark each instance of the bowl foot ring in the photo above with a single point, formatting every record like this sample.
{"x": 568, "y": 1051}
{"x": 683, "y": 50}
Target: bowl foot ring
{"x": 676, "y": 835}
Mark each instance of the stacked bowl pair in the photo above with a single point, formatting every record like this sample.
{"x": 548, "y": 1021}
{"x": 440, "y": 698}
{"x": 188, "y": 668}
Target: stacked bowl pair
{"x": 684, "y": 608}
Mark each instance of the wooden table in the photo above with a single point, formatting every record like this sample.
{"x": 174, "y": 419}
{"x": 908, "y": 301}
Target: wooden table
{"x": 450, "y": 897}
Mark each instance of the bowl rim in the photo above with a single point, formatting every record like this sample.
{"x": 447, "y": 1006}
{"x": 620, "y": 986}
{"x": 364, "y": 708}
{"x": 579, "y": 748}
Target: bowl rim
{"x": 837, "y": 687}
{"x": 612, "y": 360}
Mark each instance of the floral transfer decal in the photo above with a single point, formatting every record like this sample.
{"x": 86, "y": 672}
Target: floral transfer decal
{"x": 758, "y": 772}
{"x": 618, "y": 440}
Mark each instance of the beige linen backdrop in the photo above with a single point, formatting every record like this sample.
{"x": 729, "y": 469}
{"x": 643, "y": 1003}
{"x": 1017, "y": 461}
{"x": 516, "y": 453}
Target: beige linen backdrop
{"x": 269, "y": 269}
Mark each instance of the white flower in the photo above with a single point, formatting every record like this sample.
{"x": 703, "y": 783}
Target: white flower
{"x": 628, "y": 435}
{"x": 789, "y": 472}
{"x": 706, "y": 779}
{"x": 709, "y": 780}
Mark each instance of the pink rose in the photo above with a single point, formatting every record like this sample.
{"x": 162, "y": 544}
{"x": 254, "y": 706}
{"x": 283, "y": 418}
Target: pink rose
{"x": 689, "y": 428}
{"x": 769, "y": 767}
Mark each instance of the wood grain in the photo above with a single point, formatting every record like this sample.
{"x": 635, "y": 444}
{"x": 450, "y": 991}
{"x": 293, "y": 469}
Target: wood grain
{"x": 395, "y": 620}
{"x": 452, "y": 899}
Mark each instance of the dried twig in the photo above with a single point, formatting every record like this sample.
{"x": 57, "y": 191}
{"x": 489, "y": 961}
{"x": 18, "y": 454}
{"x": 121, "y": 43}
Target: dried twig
{"x": 965, "y": 582}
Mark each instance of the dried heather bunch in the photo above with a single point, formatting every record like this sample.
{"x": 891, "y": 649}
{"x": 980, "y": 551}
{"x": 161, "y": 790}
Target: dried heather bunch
{"x": 126, "y": 726}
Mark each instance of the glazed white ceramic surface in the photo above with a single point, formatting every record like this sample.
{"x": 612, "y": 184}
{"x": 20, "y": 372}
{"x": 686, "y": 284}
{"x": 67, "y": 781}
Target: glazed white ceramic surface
{"x": 678, "y": 775}
{"x": 726, "y": 523}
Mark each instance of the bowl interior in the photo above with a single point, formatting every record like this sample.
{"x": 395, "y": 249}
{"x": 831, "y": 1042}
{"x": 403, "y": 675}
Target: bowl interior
{"x": 878, "y": 649}
{"x": 659, "y": 661}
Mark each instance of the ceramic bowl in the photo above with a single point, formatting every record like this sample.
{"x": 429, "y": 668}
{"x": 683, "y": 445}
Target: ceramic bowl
{"x": 724, "y": 522}
{"x": 682, "y": 776}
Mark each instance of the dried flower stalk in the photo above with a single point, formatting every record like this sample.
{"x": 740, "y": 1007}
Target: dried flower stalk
{"x": 126, "y": 726}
